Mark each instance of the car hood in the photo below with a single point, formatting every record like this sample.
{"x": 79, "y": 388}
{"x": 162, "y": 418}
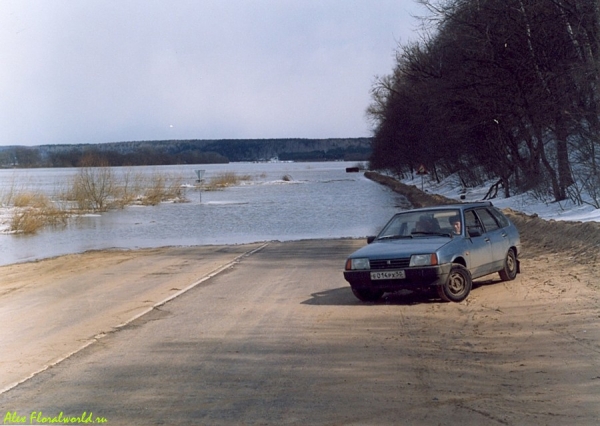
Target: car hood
{"x": 393, "y": 249}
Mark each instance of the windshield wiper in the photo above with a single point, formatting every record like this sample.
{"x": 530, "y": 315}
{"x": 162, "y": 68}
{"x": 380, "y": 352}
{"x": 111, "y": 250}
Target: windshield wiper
{"x": 394, "y": 237}
{"x": 443, "y": 234}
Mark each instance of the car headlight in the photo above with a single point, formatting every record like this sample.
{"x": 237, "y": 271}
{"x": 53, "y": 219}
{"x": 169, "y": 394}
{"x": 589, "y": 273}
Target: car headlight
{"x": 423, "y": 260}
{"x": 360, "y": 263}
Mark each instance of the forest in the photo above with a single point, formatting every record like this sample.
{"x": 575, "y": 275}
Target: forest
{"x": 505, "y": 91}
{"x": 195, "y": 151}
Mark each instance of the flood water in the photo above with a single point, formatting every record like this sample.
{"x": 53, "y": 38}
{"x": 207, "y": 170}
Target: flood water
{"x": 315, "y": 200}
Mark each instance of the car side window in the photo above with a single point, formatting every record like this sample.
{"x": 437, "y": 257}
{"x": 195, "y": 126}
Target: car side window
{"x": 488, "y": 220}
{"x": 502, "y": 220}
{"x": 472, "y": 223}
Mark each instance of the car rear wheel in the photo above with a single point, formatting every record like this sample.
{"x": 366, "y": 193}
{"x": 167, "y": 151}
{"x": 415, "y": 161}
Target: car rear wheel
{"x": 367, "y": 295}
{"x": 458, "y": 285}
{"x": 510, "y": 267}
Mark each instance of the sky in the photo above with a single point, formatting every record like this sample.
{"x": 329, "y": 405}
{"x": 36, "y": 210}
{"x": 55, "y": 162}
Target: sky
{"x": 94, "y": 71}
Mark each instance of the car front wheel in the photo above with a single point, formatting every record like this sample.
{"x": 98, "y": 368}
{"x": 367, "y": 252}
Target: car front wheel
{"x": 509, "y": 272}
{"x": 458, "y": 285}
{"x": 367, "y": 295}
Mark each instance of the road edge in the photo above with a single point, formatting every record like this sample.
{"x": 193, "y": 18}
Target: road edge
{"x": 118, "y": 327}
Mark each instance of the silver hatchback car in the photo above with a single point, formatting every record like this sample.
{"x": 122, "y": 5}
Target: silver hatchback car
{"x": 441, "y": 247}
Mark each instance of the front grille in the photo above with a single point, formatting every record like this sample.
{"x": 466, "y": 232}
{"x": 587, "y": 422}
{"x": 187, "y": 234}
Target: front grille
{"x": 390, "y": 263}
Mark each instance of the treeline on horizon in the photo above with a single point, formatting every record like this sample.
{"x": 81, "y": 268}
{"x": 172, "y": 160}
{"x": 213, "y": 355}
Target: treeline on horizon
{"x": 26, "y": 157}
{"x": 497, "y": 89}
{"x": 151, "y": 153}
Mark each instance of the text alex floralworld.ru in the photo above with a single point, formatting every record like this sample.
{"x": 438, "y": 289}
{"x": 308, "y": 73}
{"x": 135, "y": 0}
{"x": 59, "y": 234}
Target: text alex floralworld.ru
{"x": 37, "y": 417}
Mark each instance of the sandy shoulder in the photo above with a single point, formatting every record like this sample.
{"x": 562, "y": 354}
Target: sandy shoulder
{"x": 53, "y": 307}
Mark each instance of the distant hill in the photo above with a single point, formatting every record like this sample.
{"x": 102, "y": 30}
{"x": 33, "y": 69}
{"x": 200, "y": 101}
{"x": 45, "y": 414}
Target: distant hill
{"x": 193, "y": 151}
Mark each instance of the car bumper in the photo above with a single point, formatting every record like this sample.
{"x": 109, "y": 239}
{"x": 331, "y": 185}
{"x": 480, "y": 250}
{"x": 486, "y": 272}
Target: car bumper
{"x": 427, "y": 276}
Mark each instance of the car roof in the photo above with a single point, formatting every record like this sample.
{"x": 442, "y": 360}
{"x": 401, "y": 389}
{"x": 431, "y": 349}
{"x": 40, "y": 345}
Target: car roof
{"x": 460, "y": 206}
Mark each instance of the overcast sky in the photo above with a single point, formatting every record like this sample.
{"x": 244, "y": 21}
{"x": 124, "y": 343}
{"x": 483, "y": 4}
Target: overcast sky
{"x": 93, "y": 71}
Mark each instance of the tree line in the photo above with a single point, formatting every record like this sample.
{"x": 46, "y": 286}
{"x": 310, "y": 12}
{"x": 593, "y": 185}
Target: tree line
{"x": 504, "y": 89}
{"x": 149, "y": 153}
{"x": 32, "y": 157}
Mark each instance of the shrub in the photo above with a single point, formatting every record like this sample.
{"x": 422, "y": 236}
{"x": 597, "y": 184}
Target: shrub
{"x": 93, "y": 186}
{"x": 29, "y": 220}
{"x": 31, "y": 199}
{"x": 225, "y": 179}
{"x": 163, "y": 188}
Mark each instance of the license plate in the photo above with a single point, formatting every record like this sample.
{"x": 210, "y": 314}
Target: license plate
{"x": 388, "y": 275}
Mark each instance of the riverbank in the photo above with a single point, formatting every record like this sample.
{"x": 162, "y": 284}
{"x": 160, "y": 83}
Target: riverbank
{"x": 576, "y": 241}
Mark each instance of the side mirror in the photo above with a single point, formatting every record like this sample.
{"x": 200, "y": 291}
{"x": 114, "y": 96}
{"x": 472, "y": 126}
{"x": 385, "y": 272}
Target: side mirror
{"x": 371, "y": 239}
{"x": 474, "y": 231}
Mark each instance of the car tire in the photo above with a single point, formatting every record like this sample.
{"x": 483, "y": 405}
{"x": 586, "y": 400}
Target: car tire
{"x": 367, "y": 295}
{"x": 458, "y": 285}
{"x": 509, "y": 272}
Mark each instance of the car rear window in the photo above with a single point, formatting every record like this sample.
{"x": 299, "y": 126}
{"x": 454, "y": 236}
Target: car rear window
{"x": 502, "y": 220}
{"x": 488, "y": 220}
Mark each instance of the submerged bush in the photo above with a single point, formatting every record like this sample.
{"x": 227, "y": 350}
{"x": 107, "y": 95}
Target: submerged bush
{"x": 162, "y": 188}
{"x": 94, "y": 188}
{"x": 30, "y": 220}
{"x": 31, "y": 199}
{"x": 225, "y": 179}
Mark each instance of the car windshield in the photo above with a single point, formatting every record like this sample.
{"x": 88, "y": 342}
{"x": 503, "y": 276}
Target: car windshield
{"x": 423, "y": 223}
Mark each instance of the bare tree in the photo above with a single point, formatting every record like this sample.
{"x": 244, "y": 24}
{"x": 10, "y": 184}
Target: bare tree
{"x": 94, "y": 184}
{"x": 507, "y": 87}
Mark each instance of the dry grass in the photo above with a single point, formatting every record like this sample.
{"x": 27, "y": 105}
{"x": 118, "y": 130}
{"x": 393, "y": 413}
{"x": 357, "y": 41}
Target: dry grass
{"x": 29, "y": 220}
{"x": 99, "y": 189}
{"x": 31, "y": 199}
{"x": 92, "y": 189}
{"x": 8, "y": 193}
{"x": 163, "y": 188}
{"x": 224, "y": 180}
{"x": 34, "y": 211}
{"x": 129, "y": 188}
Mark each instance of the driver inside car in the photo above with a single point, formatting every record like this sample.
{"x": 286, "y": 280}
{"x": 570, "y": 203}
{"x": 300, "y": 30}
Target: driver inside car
{"x": 456, "y": 224}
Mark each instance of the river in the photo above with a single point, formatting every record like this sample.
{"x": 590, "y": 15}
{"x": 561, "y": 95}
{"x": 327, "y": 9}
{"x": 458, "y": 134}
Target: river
{"x": 280, "y": 201}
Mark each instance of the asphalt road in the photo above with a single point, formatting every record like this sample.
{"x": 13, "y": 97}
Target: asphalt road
{"x": 278, "y": 338}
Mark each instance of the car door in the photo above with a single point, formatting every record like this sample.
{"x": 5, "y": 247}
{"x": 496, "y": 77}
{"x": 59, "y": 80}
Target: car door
{"x": 498, "y": 238}
{"x": 479, "y": 246}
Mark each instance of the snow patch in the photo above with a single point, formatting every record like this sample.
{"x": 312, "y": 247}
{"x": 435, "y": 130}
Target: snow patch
{"x": 451, "y": 187}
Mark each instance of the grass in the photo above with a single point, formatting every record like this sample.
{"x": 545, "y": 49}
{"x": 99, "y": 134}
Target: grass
{"x": 31, "y": 199}
{"x": 29, "y": 220}
{"x": 223, "y": 180}
{"x": 33, "y": 212}
{"x": 92, "y": 189}
{"x": 162, "y": 188}
{"x": 95, "y": 189}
